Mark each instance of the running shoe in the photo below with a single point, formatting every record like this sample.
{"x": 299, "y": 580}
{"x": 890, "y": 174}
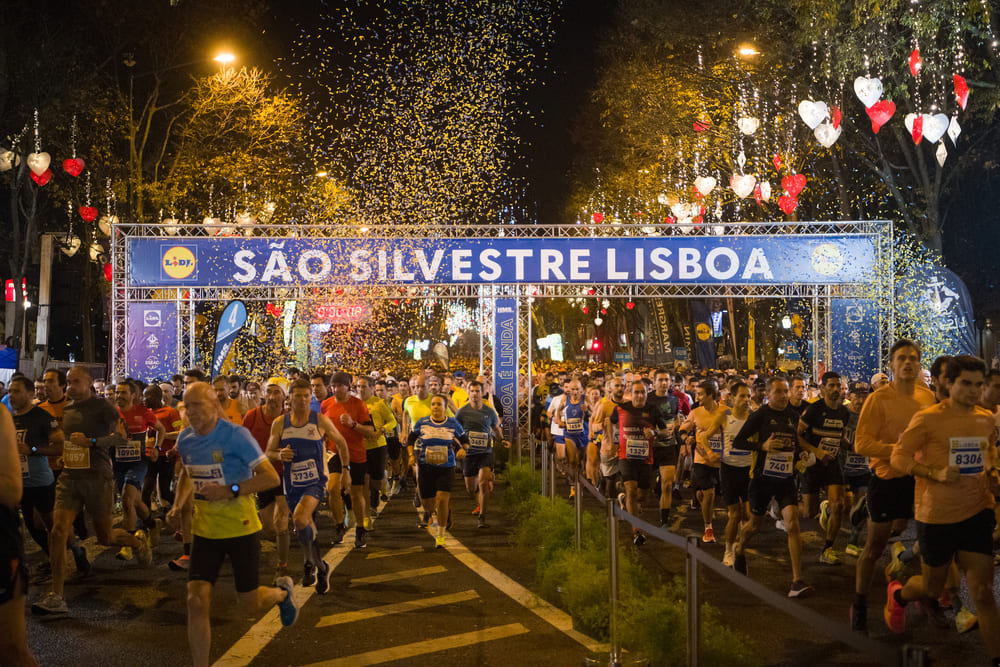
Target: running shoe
{"x": 181, "y": 563}
{"x": 439, "y": 542}
{"x": 852, "y": 550}
{"x": 780, "y": 525}
{"x": 824, "y": 514}
{"x": 965, "y": 620}
{"x": 829, "y": 557}
{"x": 143, "y": 553}
{"x": 773, "y": 511}
{"x": 709, "y": 536}
{"x": 50, "y": 605}
{"x": 894, "y": 613}
{"x": 638, "y": 539}
{"x": 360, "y": 539}
{"x": 895, "y": 567}
{"x": 477, "y": 510}
{"x": 289, "y": 611}
{"x": 729, "y": 556}
{"x": 799, "y": 589}
{"x": 740, "y": 564}
{"x": 308, "y": 575}
{"x": 859, "y": 619}
{"x": 338, "y": 533}
{"x": 481, "y": 522}
{"x": 323, "y": 578}
{"x": 125, "y": 553}
{"x": 368, "y": 523}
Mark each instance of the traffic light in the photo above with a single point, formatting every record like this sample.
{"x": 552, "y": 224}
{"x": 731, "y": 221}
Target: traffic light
{"x": 595, "y": 346}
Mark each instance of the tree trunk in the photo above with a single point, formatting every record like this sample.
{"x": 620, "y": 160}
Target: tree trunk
{"x": 86, "y": 311}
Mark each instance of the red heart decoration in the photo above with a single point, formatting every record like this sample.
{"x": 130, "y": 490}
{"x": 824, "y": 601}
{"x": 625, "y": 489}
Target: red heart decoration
{"x": 630, "y": 304}
{"x": 915, "y": 62}
{"x": 697, "y": 220}
{"x": 918, "y": 129}
{"x": 787, "y": 203}
{"x": 108, "y": 272}
{"x": 835, "y": 117}
{"x": 670, "y": 220}
{"x": 757, "y": 194}
{"x": 700, "y": 125}
{"x": 701, "y": 210}
{"x": 88, "y": 213}
{"x": 961, "y": 90}
{"x": 43, "y": 178}
{"x": 776, "y": 161}
{"x": 880, "y": 113}
{"x": 695, "y": 192}
{"x": 598, "y": 218}
{"x": 73, "y": 166}
{"x": 274, "y": 310}
{"x": 793, "y": 185}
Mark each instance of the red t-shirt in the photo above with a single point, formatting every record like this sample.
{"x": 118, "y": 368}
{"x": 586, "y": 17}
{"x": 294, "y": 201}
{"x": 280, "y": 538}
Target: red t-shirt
{"x": 355, "y": 407}
{"x": 171, "y": 420}
{"x": 259, "y": 424}
{"x": 138, "y": 419}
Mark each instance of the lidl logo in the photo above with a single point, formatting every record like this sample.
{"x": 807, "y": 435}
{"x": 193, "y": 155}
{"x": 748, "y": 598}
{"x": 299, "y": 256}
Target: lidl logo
{"x": 703, "y": 331}
{"x": 179, "y": 262}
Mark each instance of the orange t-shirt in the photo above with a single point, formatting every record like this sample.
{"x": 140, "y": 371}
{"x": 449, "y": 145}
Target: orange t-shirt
{"x": 704, "y": 421}
{"x": 884, "y": 416}
{"x": 233, "y": 413}
{"x": 355, "y": 407}
{"x": 940, "y": 436}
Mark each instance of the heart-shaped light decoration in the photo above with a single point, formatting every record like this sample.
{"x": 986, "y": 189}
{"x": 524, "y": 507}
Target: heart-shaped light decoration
{"x": 813, "y": 113}
{"x": 914, "y": 123}
{"x": 88, "y": 213}
{"x": 170, "y": 226}
{"x": 961, "y": 90}
{"x": 73, "y": 166}
{"x": 935, "y": 126}
{"x": 598, "y": 218}
{"x": 868, "y": 89}
{"x": 69, "y": 245}
{"x": 701, "y": 125}
{"x": 757, "y": 194}
{"x": 915, "y": 62}
{"x": 696, "y": 193}
{"x": 880, "y": 113}
{"x": 787, "y": 204}
{"x": 742, "y": 184}
{"x": 39, "y": 162}
{"x": 835, "y": 117}
{"x": 105, "y": 222}
{"x": 704, "y": 184}
{"x": 765, "y": 190}
{"x": 794, "y": 184}
{"x": 748, "y": 125}
{"x": 941, "y": 154}
{"x": 214, "y": 225}
{"x": 954, "y": 129}
{"x": 96, "y": 250}
{"x": 776, "y": 161}
{"x": 670, "y": 220}
{"x": 7, "y": 159}
{"x": 826, "y": 134}
{"x": 42, "y": 178}
{"x": 245, "y": 219}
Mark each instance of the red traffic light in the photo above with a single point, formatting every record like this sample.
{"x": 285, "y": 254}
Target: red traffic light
{"x": 595, "y": 345}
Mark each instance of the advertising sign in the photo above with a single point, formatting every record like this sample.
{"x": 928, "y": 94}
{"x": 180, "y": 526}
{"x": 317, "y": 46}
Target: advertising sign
{"x": 152, "y": 340}
{"x": 505, "y": 360}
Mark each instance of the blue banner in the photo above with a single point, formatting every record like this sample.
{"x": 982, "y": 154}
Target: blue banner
{"x": 230, "y": 324}
{"x": 738, "y": 260}
{"x": 934, "y": 302}
{"x": 505, "y": 361}
{"x": 854, "y": 338}
{"x": 151, "y": 350}
{"x": 704, "y": 342}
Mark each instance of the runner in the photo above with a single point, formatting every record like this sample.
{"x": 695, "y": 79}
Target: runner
{"x": 297, "y": 440}
{"x": 87, "y": 481}
{"x": 230, "y": 408}
{"x": 480, "y": 422}
{"x": 394, "y": 442}
{"x": 320, "y": 391}
{"x": 574, "y": 420}
{"x": 883, "y": 418}
{"x": 735, "y": 470}
{"x": 950, "y": 449}
{"x": 609, "y": 438}
{"x": 376, "y": 447}
{"x": 856, "y": 468}
{"x": 770, "y": 433}
{"x": 434, "y": 439}
{"x": 222, "y": 467}
{"x": 821, "y": 432}
{"x": 666, "y": 452}
{"x": 160, "y": 475}
{"x": 706, "y": 422}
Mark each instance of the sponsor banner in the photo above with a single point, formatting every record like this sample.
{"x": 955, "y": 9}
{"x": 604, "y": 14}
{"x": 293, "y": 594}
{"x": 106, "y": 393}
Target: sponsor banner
{"x": 505, "y": 361}
{"x": 854, "y": 338}
{"x": 657, "y": 331}
{"x": 934, "y": 297}
{"x": 704, "y": 341}
{"x": 741, "y": 260}
{"x": 151, "y": 350}
{"x": 230, "y": 324}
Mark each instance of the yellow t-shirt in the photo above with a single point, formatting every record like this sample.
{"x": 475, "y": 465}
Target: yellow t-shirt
{"x": 459, "y": 396}
{"x": 382, "y": 417}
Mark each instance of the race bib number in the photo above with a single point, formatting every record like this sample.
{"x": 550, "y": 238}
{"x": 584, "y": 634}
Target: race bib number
{"x": 437, "y": 455}
{"x": 574, "y": 425}
{"x": 479, "y": 443}
{"x": 24, "y": 465}
{"x": 968, "y": 455}
{"x": 715, "y": 443}
{"x": 830, "y": 445}
{"x": 75, "y": 458}
{"x": 637, "y": 450}
{"x": 856, "y": 463}
{"x": 778, "y": 464}
{"x": 204, "y": 475}
{"x": 130, "y": 452}
{"x": 304, "y": 473}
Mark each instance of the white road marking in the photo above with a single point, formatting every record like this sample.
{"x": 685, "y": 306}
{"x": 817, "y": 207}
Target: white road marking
{"x": 398, "y": 608}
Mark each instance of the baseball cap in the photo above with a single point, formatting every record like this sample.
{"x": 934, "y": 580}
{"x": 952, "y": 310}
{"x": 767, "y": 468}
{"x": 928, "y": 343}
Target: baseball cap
{"x": 878, "y": 377}
{"x": 278, "y": 381}
{"x": 760, "y": 382}
{"x": 459, "y": 374}
{"x": 341, "y": 378}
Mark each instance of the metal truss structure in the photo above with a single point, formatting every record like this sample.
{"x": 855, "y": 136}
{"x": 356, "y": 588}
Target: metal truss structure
{"x": 878, "y": 287}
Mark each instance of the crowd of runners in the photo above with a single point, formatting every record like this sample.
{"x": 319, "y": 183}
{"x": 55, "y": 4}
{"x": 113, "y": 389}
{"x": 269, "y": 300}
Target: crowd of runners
{"x": 218, "y": 462}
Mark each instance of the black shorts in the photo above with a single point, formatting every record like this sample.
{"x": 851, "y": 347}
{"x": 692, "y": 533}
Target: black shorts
{"x": 13, "y": 574}
{"x": 244, "y": 554}
{"x": 890, "y": 499}
{"x": 376, "y": 463}
{"x": 265, "y": 498}
{"x": 432, "y": 479}
{"x": 41, "y": 498}
{"x": 636, "y": 471}
{"x": 394, "y": 448}
{"x": 735, "y": 483}
{"x": 665, "y": 456}
{"x": 857, "y": 482}
{"x": 762, "y": 489}
{"x": 821, "y": 475}
{"x": 334, "y": 466}
{"x": 473, "y": 463}
{"x": 704, "y": 477}
{"x": 358, "y": 473}
{"x": 939, "y": 542}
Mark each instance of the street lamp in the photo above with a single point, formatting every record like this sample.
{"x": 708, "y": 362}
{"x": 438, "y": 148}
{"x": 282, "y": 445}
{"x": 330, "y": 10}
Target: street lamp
{"x": 747, "y": 51}
{"x": 224, "y": 58}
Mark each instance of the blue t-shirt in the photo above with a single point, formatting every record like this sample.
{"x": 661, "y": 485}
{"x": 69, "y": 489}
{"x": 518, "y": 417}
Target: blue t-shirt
{"x": 225, "y": 456}
{"x": 435, "y": 444}
{"x": 575, "y": 416}
{"x": 307, "y": 466}
{"x": 479, "y": 424}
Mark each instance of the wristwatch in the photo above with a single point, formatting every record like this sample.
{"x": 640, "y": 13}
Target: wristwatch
{"x": 235, "y": 488}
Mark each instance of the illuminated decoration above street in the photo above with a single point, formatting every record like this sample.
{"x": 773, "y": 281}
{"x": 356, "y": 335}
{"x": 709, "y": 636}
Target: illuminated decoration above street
{"x": 343, "y": 313}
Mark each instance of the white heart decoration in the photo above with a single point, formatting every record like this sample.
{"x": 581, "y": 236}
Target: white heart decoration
{"x": 941, "y": 153}
{"x": 6, "y": 160}
{"x": 704, "y": 185}
{"x": 246, "y": 219}
{"x": 96, "y": 250}
{"x": 662, "y": 198}
{"x": 105, "y": 222}
{"x": 935, "y": 126}
{"x": 743, "y": 185}
{"x": 39, "y": 162}
{"x": 685, "y": 225}
{"x": 908, "y": 122}
{"x": 69, "y": 245}
{"x": 827, "y": 135}
{"x": 868, "y": 89}
{"x": 813, "y": 113}
{"x": 954, "y": 129}
{"x": 170, "y": 226}
{"x": 765, "y": 190}
{"x": 682, "y": 211}
{"x": 741, "y": 159}
{"x": 748, "y": 125}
